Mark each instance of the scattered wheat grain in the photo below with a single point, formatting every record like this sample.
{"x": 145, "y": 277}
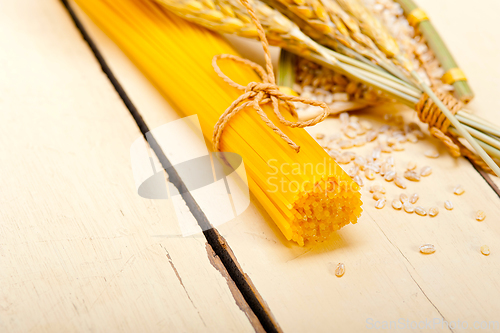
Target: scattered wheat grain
{"x": 380, "y": 203}
{"x": 396, "y": 204}
{"x": 485, "y": 249}
{"x": 427, "y": 249}
{"x": 480, "y": 215}
{"x": 340, "y": 270}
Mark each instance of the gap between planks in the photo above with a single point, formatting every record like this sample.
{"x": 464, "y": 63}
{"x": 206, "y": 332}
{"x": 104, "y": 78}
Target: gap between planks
{"x": 217, "y": 243}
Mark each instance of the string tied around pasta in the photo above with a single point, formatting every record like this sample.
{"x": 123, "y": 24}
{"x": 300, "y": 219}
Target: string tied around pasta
{"x": 256, "y": 94}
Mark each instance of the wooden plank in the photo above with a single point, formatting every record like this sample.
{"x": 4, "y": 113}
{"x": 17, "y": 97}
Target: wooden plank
{"x": 387, "y": 279}
{"x": 79, "y": 249}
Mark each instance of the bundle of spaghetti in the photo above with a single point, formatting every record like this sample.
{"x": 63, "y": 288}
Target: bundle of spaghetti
{"x": 306, "y": 193}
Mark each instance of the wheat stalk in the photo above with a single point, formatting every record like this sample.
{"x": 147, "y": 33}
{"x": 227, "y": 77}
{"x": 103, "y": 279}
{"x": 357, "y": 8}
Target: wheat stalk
{"x": 229, "y": 16}
{"x": 317, "y": 20}
{"x": 411, "y": 44}
{"x": 378, "y": 32}
{"x": 347, "y": 25}
{"x": 380, "y": 35}
{"x": 371, "y": 26}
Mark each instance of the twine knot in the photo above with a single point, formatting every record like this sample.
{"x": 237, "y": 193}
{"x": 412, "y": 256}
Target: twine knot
{"x": 257, "y": 87}
{"x": 428, "y": 112}
{"x": 256, "y": 94}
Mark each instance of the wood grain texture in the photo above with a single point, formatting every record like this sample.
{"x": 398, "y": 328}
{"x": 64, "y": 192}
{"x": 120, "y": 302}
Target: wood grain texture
{"x": 386, "y": 279}
{"x": 80, "y": 251}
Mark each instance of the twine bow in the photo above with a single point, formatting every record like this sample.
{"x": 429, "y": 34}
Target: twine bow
{"x": 257, "y": 94}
